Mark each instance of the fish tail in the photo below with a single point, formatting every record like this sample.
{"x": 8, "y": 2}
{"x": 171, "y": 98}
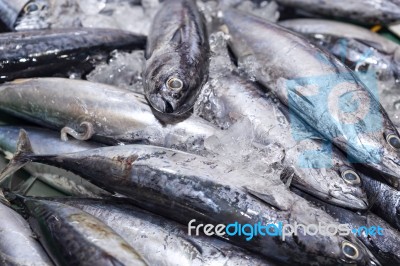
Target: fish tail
{"x": 22, "y": 156}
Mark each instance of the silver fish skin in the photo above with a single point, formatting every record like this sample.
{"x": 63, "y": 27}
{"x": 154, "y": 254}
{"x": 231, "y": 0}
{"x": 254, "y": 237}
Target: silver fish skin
{"x": 184, "y": 187}
{"x": 18, "y": 245}
{"x": 48, "y": 142}
{"x": 161, "y": 241}
{"x": 9, "y": 11}
{"x": 227, "y": 98}
{"x": 385, "y": 201}
{"x": 342, "y": 29}
{"x": 73, "y": 237}
{"x": 318, "y": 88}
{"x": 385, "y": 247}
{"x": 115, "y": 116}
{"x": 376, "y": 60}
{"x": 363, "y": 11}
{"x": 177, "y": 57}
{"x": 359, "y": 48}
{"x": 46, "y": 52}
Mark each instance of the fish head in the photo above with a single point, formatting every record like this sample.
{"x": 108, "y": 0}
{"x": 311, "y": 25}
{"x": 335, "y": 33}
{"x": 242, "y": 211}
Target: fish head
{"x": 353, "y": 251}
{"x": 169, "y": 89}
{"x": 34, "y": 15}
{"x": 388, "y": 164}
{"x": 325, "y": 173}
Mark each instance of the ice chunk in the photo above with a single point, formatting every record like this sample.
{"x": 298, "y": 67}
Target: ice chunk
{"x": 123, "y": 70}
{"x": 243, "y": 150}
{"x": 116, "y": 14}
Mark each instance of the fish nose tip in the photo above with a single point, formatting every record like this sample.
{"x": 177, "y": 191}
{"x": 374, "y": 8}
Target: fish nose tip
{"x": 160, "y": 104}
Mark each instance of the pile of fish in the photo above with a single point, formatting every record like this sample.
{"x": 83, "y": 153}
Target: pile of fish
{"x": 124, "y": 124}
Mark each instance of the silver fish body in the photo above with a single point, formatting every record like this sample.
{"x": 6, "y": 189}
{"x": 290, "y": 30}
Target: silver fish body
{"x": 384, "y": 199}
{"x": 46, "y": 52}
{"x": 318, "y": 88}
{"x": 184, "y": 187}
{"x": 384, "y": 244}
{"x": 363, "y": 11}
{"x": 376, "y": 60}
{"x": 115, "y": 115}
{"x": 161, "y": 241}
{"x": 313, "y": 164}
{"x": 48, "y": 142}
{"x": 227, "y": 99}
{"x": 358, "y": 47}
{"x": 73, "y": 237}
{"x": 18, "y": 246}
{"x": 177, "y": 57}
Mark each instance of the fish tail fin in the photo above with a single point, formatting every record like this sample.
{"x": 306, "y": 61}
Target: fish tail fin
{"x": 21, "y": 157}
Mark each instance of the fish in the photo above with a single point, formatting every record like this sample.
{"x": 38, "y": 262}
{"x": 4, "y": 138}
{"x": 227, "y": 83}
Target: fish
{"x": 73, "y": 237}
{"x": 33, "y": 16}
{"x": 227, "y": 98}
{"x": 364, "y": 12}
{"x": 18, "y": 244}
{"x": 319, "y": 89}
{"x": 10, "y": 11}
{"x": 375, "y": 60}
{"x": 48, "y": 52}
{"x": 184, "y": 187}
{"x": 45, "y": 141}
{"x": 176, "y": 58}
{"x": 385, "y": 201}
{"x": 161, "y": 241}
{"x": 359, "y": 48}
{"x": 110, "y": 115}
{"x": 385, "y": 246}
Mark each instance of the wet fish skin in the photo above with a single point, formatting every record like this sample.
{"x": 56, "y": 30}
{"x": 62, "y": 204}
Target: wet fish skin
{"x": 183, "y": 187}
{"x": 227, "y": 99}
{"x": 73, "y": 237}
{"x": 352, "y": 44}
{"x": 144, "y": 230}
{"x": 117, "y": 116}
{"x": 18, "y": 245}
{"x": 46, "y": 52}
{"x": 289, "y": 59}
{"x": 385, "y": 247}
{"x": 48, "y": 142}
{"x": 385, "y": 201}
{"x": 177, "y": 58}
{"x": 369, "y": 11}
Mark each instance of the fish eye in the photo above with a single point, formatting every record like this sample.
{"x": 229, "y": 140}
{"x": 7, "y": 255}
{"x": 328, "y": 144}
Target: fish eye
{"x": 350, "y": 250}
{"x": 31, "y": 7}
{"x": 351, "y": 177}
{"x": 393, "y": 141}
{"x": 175, "y": 84}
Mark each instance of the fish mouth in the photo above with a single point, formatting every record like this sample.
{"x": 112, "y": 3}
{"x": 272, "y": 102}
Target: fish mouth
{"x": 389, "y": 171}
{"x": 339, "y": 198}
{"x": 350, "y": 201}
{"x": 161, "y": 105}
